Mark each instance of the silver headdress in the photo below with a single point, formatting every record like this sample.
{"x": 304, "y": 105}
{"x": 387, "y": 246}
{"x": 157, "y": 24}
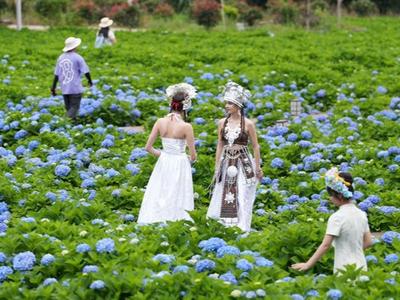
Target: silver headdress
{"x": 188, "y": 90}
{"x": 236, "y": 94}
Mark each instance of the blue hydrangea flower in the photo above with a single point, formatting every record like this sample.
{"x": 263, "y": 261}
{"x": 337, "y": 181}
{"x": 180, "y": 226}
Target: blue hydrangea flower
{"x": 307, "y": 135}
{"x": 261, "y": 293}
{"x": 3, "y": 227}
{"x": 207, "y": 76}
{"x": 244, "y": 265}
{"x": 20, "y": 134}
{"x": 83, "y": 248}
{"x": 62, "y": 170}
{"x": 98, "y": 222}
{"x": 3, "y": 257}
{"x": 181, "y": 269}
{"x": 97, "y": 285}
{"x": 164, "y": 258}
{"x": 51, "y": 196}
{"x": 204, "y": 265}
{"x": 312, "y": 293}
{"x": 334, "y": 294}
{"x": 381, "y": 89}
{"x": 116, "y": 193}
{"x": 129, "y": 218}
{"x": 33, "y": 145}
{"x": 228, "y": 250}
{"x": 90, "y": 269}
{"x": 365, "y": 205}
{"x": 371, "y": 258}
{"x": 393, "y": 168}
{"x": 4, "y": 272}
{"x": 3, "y": 207}
{"x": 379, "y": 181}
{"x": 134, "y": 169}
{"x": 263, "y": 262}
{"x": 391, "y": 258}
{"x": 212, "y": 244}
{"x": 292, "y": 137}
{"x": 277, "y": 163}
{"x": 260, "y": 212}
{"x": 389, "y": 236}
{"x": 105, "y": 245}
{"x": 250, "y": 295}
{"x": 297, "y": 297}
{"x": 373, "y": 198}
{"x": 137, "y": 153}
{"x": 89, "y": 182}
{"x": 391, "y": 281}
{"x": 387, "y": 210}
{"x": 28, "y": 220}
{"x": 107, "y": 143}
{"x": 229, "y": 277}
{"x": 49, "y": 281}
{"x": 199, "y": 121}
{"x": 24, "y": 261}
{"x": 47, "y": 259}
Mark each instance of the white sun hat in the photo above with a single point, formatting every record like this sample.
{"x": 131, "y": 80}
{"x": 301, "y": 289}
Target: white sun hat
{"x": 105, "y": 22}
{"x": 71, "y": 43}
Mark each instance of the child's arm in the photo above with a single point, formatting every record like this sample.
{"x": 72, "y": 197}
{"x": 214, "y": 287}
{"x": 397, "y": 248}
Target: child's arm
{"x": 367, "y": 241}
{"x": 322, "y": 249}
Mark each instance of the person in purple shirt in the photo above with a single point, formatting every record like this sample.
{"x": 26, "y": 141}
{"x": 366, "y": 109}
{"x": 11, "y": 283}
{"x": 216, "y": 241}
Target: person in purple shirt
{"x": 69, "y": 69}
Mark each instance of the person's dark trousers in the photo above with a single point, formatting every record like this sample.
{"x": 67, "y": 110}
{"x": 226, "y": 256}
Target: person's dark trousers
{"x": 72, "y": 103}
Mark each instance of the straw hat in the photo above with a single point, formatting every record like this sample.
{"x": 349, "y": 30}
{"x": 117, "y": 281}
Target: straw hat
{"x": 71, "y": 43}
{"x": 105, "y": 22}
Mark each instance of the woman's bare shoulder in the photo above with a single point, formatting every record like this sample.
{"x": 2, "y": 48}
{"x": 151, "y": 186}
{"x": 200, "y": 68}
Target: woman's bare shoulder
{"x": 249, "y": 122}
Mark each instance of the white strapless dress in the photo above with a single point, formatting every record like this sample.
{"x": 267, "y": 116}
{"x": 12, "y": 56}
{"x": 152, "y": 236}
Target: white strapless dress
{"x": 169, "y": 192}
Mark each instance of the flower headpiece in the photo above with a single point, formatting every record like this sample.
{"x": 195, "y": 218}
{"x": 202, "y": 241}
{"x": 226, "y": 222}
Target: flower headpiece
{"x": 337, "y": 183}
{"x": 236, "y": 94}
{"x": 188, "y": 90}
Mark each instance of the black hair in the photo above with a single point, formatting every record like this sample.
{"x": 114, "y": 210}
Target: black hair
{"x": 104, "y": 31}
{"x": 349, "y": 179}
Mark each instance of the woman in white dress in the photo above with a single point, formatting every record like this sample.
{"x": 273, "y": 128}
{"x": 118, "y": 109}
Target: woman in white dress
{"x": 169, "y": 192}
{"x": 236, "y": 173}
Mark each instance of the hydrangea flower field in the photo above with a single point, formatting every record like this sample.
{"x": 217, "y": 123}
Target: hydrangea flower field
{"x": 70, "y": 193}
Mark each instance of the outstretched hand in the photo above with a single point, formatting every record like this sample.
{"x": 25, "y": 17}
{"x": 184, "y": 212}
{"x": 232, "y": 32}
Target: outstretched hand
{"x": 300, "y": 266}
{"x": 53, "y": 92}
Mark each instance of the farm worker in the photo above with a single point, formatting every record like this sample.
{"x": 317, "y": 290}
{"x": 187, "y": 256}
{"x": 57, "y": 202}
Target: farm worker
{"x": 68, "y": 71}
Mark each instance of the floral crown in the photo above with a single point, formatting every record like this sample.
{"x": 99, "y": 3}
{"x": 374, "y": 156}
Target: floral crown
{"x": 337, "y": 183}
{"x": 188, "y": 90}
{"x": 236, "y": 94}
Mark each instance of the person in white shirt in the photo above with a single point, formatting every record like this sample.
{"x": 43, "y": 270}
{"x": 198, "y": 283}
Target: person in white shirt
{"x": 347, "y": 228}
{"x": 105, "y": 36}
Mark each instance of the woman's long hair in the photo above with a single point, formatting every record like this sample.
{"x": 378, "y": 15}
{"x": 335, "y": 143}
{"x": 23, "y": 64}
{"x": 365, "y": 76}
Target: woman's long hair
{"x": 104, "y": 31}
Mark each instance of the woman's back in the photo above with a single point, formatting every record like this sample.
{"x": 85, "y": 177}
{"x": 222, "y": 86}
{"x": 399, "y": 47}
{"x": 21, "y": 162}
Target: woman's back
{"x": 172, "y": 126}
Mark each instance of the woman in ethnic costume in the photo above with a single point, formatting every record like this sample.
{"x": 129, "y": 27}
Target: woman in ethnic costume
{"x": 237, "y": 173}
